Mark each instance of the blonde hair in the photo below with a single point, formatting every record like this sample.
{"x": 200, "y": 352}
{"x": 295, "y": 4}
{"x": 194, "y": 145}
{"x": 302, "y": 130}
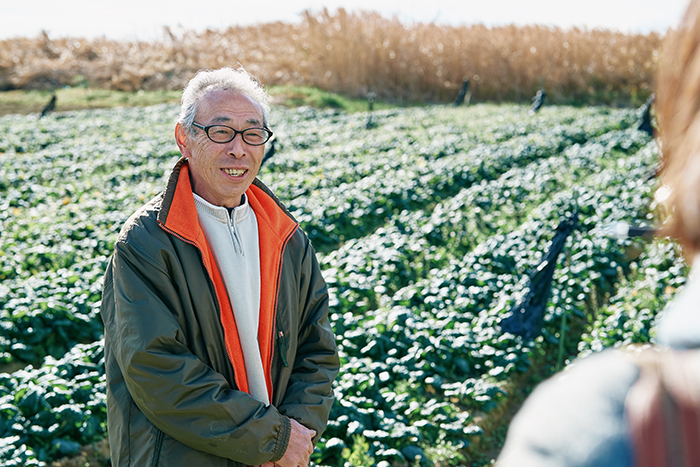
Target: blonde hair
{"x": 677, "y": 110}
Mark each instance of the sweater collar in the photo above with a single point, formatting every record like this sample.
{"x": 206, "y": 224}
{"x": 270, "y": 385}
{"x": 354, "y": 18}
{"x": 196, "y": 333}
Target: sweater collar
{"x": 221, "y": 213}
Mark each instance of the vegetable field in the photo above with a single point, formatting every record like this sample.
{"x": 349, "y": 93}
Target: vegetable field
{"x": 428, "y": 224}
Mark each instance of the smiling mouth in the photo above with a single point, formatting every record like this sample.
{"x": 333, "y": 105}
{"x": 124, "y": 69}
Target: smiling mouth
{"x": 235, "y": 172}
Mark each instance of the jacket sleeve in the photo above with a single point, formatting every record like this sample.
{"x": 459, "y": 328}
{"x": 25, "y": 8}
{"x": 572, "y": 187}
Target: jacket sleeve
{"x": 175, "y": 390}
{"x": 309, "y": 395}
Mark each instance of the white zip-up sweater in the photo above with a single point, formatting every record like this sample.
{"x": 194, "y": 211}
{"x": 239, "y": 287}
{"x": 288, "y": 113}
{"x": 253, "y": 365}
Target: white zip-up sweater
{"x": 234, "y": 241}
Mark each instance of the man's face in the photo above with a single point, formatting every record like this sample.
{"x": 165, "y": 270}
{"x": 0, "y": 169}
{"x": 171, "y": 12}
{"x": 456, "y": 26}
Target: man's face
{"x": 221, "y": 173}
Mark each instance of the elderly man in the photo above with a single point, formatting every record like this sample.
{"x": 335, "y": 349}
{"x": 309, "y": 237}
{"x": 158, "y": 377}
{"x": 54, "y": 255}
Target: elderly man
{"x": 218, "y": 347}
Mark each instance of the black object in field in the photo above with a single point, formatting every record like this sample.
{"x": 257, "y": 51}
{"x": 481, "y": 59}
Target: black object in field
{"x": 538, "y": 100}
{"x": 50, "y": 106}
{"x": 370, "y": 100}
{"x": 645, "y": 121}
{"x": 270, "y": 151}
{"x": 463, "y": 93}
{"x": 526, "y": 318}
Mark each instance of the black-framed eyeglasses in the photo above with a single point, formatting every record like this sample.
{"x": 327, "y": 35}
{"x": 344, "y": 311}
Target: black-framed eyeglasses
{"x": 223, "y": 134}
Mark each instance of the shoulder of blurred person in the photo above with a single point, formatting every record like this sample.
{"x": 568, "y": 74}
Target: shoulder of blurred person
{"x": 577, "y": 417}
{"x": 679, "y": 326}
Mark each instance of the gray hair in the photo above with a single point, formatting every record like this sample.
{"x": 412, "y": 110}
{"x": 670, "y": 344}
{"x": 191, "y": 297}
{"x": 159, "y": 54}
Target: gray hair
{"x": 227, "y": 78}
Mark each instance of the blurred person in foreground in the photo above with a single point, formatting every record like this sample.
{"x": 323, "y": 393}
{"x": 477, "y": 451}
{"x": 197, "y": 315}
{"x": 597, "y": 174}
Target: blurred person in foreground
{"x": 218, "y": 347}
{"x": 583, "y": 416}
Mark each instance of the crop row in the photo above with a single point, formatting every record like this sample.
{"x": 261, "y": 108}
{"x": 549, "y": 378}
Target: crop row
{"x": 413, "y": 243}
{"x": 312, "y": 143}
{"x": 437, "y": 342}
{"x": 84, "y": 163}
{"x": 394, "y": 175}
{"x": 79, "y": 175}
{"x": 51, "y": 311}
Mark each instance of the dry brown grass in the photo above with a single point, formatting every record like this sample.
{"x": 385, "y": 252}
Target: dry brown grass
{"x": 357, "y": 53}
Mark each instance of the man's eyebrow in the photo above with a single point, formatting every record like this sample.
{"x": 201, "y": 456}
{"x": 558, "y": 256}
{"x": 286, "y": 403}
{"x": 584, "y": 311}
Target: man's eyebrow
{"x": 223, "y": 119}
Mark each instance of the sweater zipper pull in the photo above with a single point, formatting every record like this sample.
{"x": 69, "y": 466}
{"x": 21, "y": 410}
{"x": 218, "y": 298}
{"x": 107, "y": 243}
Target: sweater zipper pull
{"x": 237, "y": 244}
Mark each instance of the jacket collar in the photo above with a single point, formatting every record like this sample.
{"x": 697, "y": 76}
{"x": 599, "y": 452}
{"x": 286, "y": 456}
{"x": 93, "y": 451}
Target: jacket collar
{"x": 178, "y": 212}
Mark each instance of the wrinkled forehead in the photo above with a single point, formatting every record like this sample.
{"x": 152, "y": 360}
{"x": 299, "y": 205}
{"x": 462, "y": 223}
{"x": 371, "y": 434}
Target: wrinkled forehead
{"x": 226, "y": 106}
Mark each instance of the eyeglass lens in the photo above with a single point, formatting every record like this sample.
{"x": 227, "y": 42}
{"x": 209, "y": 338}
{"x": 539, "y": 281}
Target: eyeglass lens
{"x": 224, "y": 134}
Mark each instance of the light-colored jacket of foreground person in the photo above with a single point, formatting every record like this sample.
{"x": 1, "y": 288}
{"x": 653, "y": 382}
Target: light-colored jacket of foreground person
{"x": 173, "y": 379}
{"x": 578, "y": 417}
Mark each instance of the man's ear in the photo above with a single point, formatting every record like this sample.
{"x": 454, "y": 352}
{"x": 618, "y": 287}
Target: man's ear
{"x": 182, "y": 140}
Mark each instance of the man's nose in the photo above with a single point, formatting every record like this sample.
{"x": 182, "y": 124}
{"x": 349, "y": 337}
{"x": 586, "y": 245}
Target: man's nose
{"x": 237, "y": 147}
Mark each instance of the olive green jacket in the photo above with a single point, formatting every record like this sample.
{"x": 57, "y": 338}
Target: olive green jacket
{"x": 175, "y": 376}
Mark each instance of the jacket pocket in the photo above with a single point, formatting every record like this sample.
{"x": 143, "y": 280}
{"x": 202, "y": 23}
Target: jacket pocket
{"x": 157, "y": 448}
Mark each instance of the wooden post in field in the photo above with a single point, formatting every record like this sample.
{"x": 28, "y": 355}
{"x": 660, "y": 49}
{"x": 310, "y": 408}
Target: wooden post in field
{"x": 463, "y": 93}
{"x": 370, "y": 100}
{"x": 50, "y": 106}
{"x": 538, "y": 101}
